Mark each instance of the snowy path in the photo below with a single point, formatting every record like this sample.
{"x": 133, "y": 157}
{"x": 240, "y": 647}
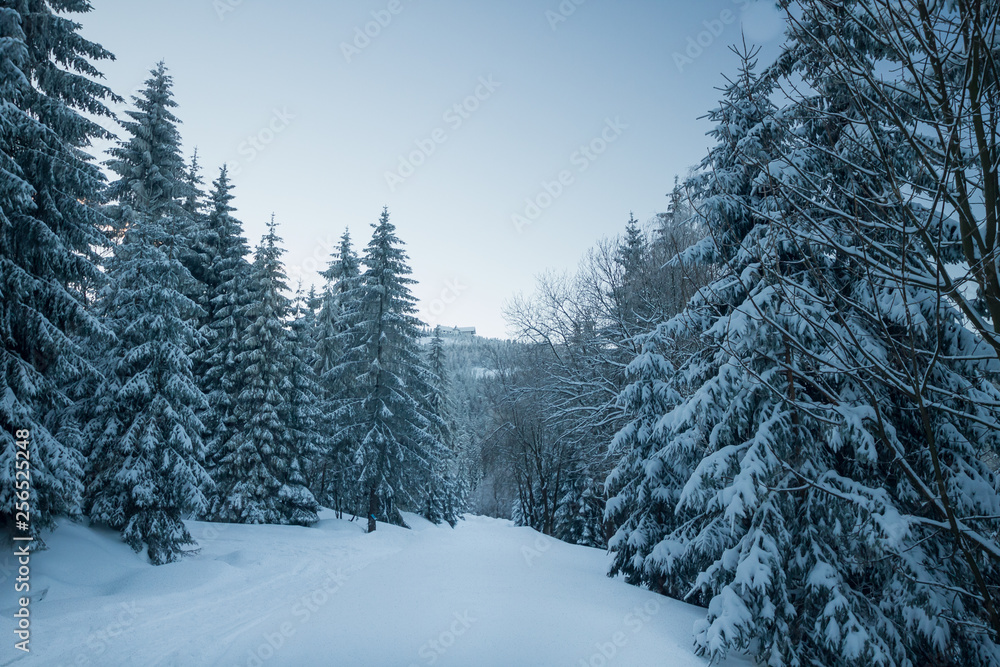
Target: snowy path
{"x": 486, "y": 593}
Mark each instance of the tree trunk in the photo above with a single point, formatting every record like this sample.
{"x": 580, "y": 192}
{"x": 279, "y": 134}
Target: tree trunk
{"x": 372, "y": 509}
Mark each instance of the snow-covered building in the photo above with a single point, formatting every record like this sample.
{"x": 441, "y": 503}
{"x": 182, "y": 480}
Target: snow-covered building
{"x": 458, "y": 331}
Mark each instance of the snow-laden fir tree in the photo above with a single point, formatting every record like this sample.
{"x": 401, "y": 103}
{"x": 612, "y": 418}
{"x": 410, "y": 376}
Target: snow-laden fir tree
{"x": 888, "y": 234}
{"x": 305, "y": 306}
{"x": 228, "y": 294}
{"x": 145, "y": 471}
{"x": 338, "y": 306}
{"x": 580, "y": 515}
{"x": 676, "y": 397}
{"x": 258, "y": 469}
{"x": 199, "y": 239}
{"x": 442, "y": 494}
{"x": 152, "y": 177}
{"x": 396, "y": 445}
{"x": 302, "y": 409}
{"x": 779, "y": 471}
{"x": 153, "y": 180}
{"x": 194, "y": 184}
{"x": 50, "y": 229}
{"x": 334, "y": 336}
{"x": 635, "y": 294}
{"x": 632, "y": 252}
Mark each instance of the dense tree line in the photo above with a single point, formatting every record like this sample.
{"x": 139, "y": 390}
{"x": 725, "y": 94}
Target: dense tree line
{"x": 162, "y": 368}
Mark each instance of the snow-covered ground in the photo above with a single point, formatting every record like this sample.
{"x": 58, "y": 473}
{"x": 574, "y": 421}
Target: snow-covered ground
{"x": 485, "y": 593}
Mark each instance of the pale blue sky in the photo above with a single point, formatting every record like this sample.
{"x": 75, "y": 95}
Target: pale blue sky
{"x": 329, "y": 126}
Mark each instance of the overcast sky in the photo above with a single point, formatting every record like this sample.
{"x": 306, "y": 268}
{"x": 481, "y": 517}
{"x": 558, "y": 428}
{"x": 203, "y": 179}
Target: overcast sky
{"x": 456, "y": 114}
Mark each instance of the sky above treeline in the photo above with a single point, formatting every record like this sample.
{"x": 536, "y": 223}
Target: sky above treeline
{"x": 505, "y": 137}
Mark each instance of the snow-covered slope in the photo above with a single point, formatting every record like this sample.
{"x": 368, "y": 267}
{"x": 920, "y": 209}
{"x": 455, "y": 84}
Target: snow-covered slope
{"x": 485, "y": 593}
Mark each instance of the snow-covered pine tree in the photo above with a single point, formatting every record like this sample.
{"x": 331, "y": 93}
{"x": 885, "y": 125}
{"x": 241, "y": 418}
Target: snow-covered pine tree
{"x": 632, "y": 252}
{"x": 228, "y": 294}
{"x": 199, "y": 240}
{"x": 909, "y": 374}
{"x": 305, "y": 305}
{"x": 785, "y": 472}
{"x": 396, "y": 444}
{"x": 258, "y": 471}
{"x": 442, "y": 495}
{"x": 635, "y": 294}
{"x": 150, "y": 167}
{"x": 153, "y": 181}
{"x": 580, "y": 516}
{"x": 50, "y": 230}
{"x": 338, "y": 307}
{"x": 194, "y": 203}
{"x": 687, "y": 387}
{"x": 313, "y": 302}
{"x": 145, "y": 471}
{"x": 302, "y": 409}
{"x": 334, "y": 336}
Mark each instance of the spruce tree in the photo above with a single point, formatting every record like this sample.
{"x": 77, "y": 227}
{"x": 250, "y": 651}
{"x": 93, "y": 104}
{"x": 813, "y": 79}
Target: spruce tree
{"x": 258, "y": 469}
{"x": 50, "y": 232}
{"x": 580, "y": 516}
{"x": 635, "y": 295}
{"x": 784, "y": 473}
{"x": 149, "y": 165}
{"x": 302, "y": 410}
{"x": 228, "y": 293}
{"x": 335, "y": 336}
{"x": 145, "y": 472}
{"x": 632, "y": 252}
{"x": 396, "y": 445}
{"x": 199, "y": 240}
{"x": 674, "y": 400}
{"x": 442, "y": 494}
{"x": 338, "y": 305}
{"x": 194, "y": 199}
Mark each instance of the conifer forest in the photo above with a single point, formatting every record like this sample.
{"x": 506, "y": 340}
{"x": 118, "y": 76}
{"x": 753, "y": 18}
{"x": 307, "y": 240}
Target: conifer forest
{"x": 755, "y": 421}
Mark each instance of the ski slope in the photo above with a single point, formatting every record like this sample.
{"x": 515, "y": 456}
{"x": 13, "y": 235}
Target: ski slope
{"x": 485, "y": 593}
